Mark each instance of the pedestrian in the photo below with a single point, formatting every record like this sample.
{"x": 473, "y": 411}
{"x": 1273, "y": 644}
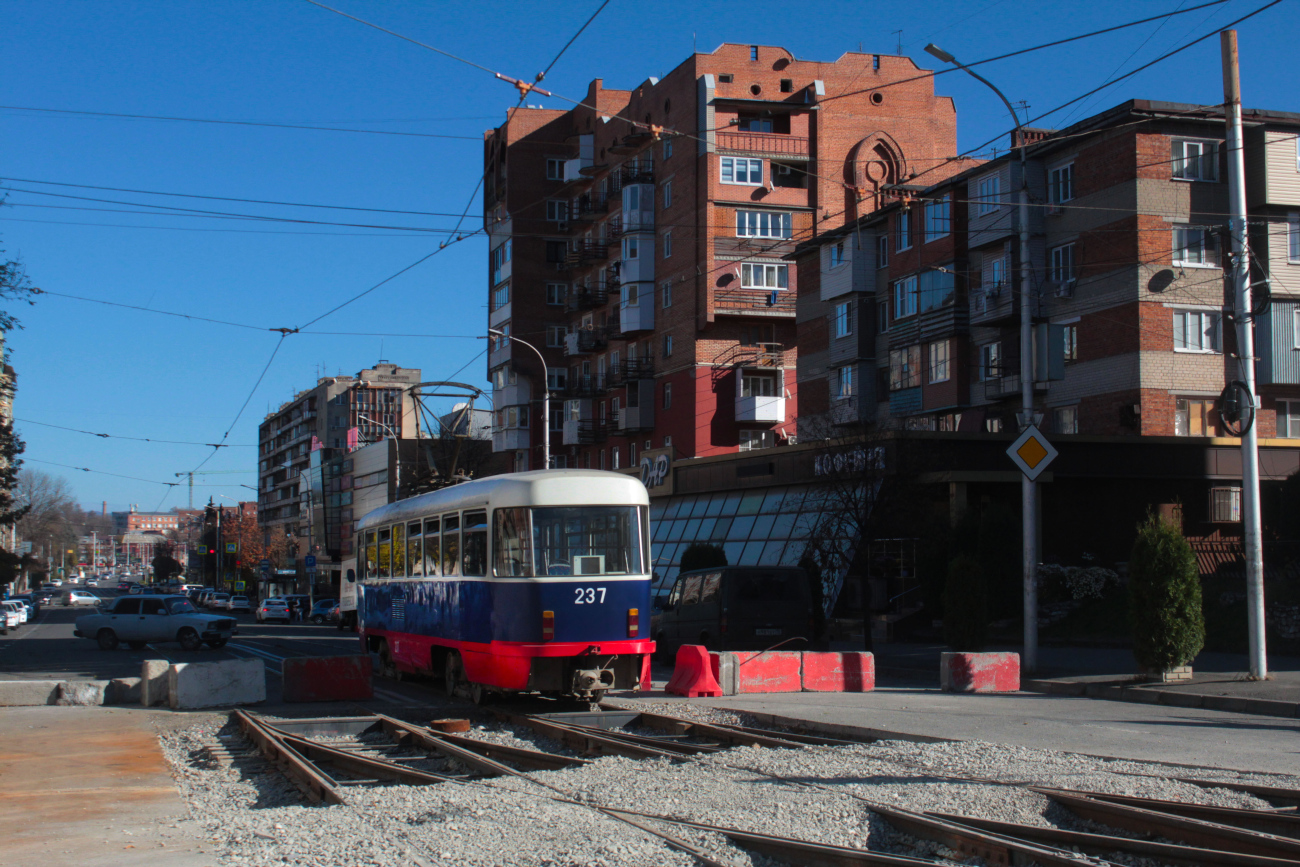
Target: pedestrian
{"x": 293, "y": 610}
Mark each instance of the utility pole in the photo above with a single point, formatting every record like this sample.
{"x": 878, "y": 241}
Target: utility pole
{"x": 1238, "y": 274}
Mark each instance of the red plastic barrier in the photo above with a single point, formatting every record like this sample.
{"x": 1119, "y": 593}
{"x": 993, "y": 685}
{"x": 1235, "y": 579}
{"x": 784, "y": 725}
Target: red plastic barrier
{"x": 692, "y": 676}
{"x": 646, "y": 685}
{"x": 327, "y": 678}
{"x": 771, "y": 671}
{"x": 979, "y": 672}
{"x": 839, "y": 672}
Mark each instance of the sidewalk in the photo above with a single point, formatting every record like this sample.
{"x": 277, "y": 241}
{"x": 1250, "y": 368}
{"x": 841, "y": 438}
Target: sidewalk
{"x": 1219, "y": 683}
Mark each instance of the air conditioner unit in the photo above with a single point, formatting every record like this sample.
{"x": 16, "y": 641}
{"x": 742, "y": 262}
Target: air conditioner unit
{"x": 780, "y": 169}
{"x": 1065, "y": 289}
{"x": 562, "y": 227}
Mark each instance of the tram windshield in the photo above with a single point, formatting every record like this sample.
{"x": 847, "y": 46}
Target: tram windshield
{"x": 570, "y": 540}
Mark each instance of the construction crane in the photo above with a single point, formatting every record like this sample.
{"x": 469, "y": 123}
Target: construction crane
{"x": 208, "y": 473}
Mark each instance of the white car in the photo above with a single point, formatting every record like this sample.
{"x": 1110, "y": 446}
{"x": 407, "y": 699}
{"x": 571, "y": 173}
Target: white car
{"x": 17, "y": 608}
{"x": 80, "y": 597}
{"x": 238, "y": 603}
{"x": 9, "y": 619}
{"x": 219, "y": 601}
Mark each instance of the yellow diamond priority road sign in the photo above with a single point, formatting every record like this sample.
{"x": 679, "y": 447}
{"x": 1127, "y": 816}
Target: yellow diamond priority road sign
{"x": 1032, "y": 452}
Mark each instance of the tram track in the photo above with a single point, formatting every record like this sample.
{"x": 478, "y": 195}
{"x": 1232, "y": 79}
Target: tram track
{"x": 1193, "y": 833}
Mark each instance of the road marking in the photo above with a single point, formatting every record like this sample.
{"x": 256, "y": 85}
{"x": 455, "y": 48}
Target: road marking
{"x": 263, "y": 655}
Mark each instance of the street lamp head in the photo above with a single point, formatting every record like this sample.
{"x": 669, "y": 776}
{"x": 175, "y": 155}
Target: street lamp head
{"x": 935, "y": 51}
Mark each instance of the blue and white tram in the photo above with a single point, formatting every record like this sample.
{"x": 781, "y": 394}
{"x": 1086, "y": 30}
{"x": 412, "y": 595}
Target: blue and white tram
{"x": 526, "y": 582}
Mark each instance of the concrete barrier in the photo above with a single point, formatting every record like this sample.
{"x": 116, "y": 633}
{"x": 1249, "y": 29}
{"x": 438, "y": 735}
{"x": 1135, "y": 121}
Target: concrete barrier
{"x": 216, "y": 684}
{"x": 839, "y": 672}
{"x": 740, "y": 672}
{"x": 81, "y": 693}
{"x": 123, "y": 690}
{"x": 153, "y": 682}
{"x": 24, "y": 693}
{"x": 327, "y": 678}
{"x": 979, "y": 672}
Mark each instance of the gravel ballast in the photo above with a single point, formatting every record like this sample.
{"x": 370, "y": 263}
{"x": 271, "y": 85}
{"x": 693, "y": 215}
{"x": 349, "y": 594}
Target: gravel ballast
{"x": 254, "y": 815}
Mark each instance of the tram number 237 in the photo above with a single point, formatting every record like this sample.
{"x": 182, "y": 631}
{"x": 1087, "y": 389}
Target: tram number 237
{"x": 589, "y": 596}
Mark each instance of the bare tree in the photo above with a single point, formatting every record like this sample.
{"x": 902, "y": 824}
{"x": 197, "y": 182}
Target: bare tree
{"x": 47, "y": 508}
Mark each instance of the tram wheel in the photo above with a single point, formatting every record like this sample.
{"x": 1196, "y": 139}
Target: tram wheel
{"x": 452, "y": 672}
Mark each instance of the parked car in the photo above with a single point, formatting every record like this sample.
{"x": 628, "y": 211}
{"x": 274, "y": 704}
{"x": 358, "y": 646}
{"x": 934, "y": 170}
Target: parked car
{"x": 17, "y": 608}
{"x": 735, "y": 608}
{"x": 125, "y": 586}
{"x": 218, "y": 600}
{"x": 273, "y": 609}
{"x": 238, "y": 603}
{"x": 80, "y": 597}
{"x": 138, "y": 588}
{"x": 33, "y": 604}
{"x": 320, "y": 612}
{"x": 9, "y": 619}
{"x": 151, "y": 618}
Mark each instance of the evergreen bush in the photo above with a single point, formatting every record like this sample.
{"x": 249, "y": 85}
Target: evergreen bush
{"x": 1164, "y": 597}
{"x": 965, "y": 605}
{"x": 702, "y": 555}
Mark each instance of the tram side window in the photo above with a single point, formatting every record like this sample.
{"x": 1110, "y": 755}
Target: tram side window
{"x": 432, "y": 564}
{"x": 370, "y": 562}
{"x": 451, "y": 544}
{"x": 513, "y": 551}
{"x": 399, "y": 550}
{"x": 475, "y": 557}
{"x": 414, "y": 542}
{"x": 384, "y": 569}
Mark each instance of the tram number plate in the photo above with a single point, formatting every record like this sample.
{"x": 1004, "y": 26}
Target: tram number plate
{"x": 767, "y": 632}
{"x": 589, "y": 596}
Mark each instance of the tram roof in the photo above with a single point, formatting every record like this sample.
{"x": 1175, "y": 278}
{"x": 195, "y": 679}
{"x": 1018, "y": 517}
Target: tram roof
{"x": 532, "y": 488}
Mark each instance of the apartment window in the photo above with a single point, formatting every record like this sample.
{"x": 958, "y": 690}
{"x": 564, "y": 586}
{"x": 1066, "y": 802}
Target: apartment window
{"x": 668, "y": 148}
{"x": 751, "y": 440}
{"x": 937, "y": 288}
{"x": 990, "y": 361}
{"x": 668, "y": 397}
{"x": 1288, "y": 419}
{"x": 882, "y": 251}
{"x": 1065, "y": 419}
{"x": 905, "y": 368}
{"x": 631, "y": 248}
{"x": 753, "y": 52}
{"x": 844, "y": 382}
{"x": 1071, "y": 341}
{"x": 1060, "y": 184}
{"x": 763, "y": 275}
{"x": 882, "y": 317}
{"x": 555, "y": 335}
{"x": 554, "y": 170}
{"x": 837, "y": 254}
{"x": 993, "y": 425}
{"x": 556, "y": 379}
{"x": 1194, "y": 417}
{"x": 1196, "y": 331}
{"x": 502, "y": 340}
{"x": 905, "y": 298}
{"x": 989, "y": 194}
{"x": 556, "y": 293}
{"x": 1195, "y": 160}
{"x": 1293, "y": 239}
{"x": 1063, "y": 263}
{"x": 725, "y": 78}
{"x": 557, "y": 210}
{"x": 1225, "y": 505}
{"x": 764, "y": 224}
{"x": 997, "y": 275}
{"x": 843, "y": 319}
{"x": 668, "y": 345}
{"x": 745, "y": 172}
{"x": 904, "y": 229}
{"x": 617, "y": 454}
{"x": 755, "y": 124}
{"x": 939, "y": 361}
{"x": 938, "y": 218}
{"x": 501, "y": 296}
{"x": 668, "y": 194}
{"x": 666, "y": 290}
{"x": 668, "y": 244}
{"x": 1194, "y": 247}
{"x": 556, "y": 251}
{"x": 500, "y": 256}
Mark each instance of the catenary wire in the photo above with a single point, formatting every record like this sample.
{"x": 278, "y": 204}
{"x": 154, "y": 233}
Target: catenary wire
{"x": 137, "y": 439}
{"x": 244, "y": 406}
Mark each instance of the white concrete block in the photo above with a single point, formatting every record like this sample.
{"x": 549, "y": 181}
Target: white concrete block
{"x": 153, "y": 682}
{"x": 216, "y": 684}
{"x": 728, "y": 677}
{"x": 24, "y": 693}
{"x": 81, "y": 693}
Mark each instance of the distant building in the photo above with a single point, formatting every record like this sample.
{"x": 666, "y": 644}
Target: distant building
{"x": 475, "y": 424}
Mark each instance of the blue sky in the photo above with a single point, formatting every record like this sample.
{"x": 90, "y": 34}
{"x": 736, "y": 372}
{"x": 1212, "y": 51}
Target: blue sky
{"x": 135, "y": 373}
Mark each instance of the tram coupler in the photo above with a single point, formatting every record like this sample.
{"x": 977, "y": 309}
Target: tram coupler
{"x": 589, "y": 679}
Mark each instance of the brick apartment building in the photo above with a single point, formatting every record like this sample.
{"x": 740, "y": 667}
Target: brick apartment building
{"x": 909, "y": 318}
{"x": 637, "y": 242}
{"x": 338, "y": 412}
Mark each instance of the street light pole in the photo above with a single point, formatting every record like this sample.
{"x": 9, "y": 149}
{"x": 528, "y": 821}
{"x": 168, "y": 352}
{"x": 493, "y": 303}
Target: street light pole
{"x": 1028, "y": 488}
{"x": 546, "y": 397}
{"x": 397, "y": 442}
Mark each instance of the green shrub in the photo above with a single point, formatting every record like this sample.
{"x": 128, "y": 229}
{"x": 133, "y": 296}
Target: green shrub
{"x": 1164, "y": 597}
{"x": 965, "y": 605}
{"x": 702, "y": 555}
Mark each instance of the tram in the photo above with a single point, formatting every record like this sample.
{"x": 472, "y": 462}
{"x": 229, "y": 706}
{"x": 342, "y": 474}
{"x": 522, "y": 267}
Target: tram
{"x": 525, "y": 582}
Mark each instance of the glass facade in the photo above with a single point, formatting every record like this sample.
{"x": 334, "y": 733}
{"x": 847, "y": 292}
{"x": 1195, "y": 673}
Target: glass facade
{"x": 765, "y": 527}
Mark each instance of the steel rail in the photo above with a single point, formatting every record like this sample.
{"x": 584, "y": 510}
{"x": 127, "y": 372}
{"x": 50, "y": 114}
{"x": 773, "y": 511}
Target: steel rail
{"x": 1265, "y": 822}
{"x": 1192, "y": 832}
{"x": 382, "y": 769}
{"x": 311, "y": 782}
{"x": 591, "y": 742}
{"x": 1272, "y": 794}
{"x": 731, "y": 734}
{"x": 1104, "y": 844}
{"x": 535, "y": 759}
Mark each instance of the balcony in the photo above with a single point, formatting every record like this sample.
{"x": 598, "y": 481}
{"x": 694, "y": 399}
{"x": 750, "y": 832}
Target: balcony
{"x": 587, "y": 297}
{"x": 583, "y": 252}
{"x": 589, "y": 430}
{"x": 585, "y": 340}
{"x": 774, "y": 303}
{"x": 636, "y": 172}
{"x": 764, "y": 380}
{"x": 590, "y": 385}
{"x": 636, "y": 418}
{"x": 767, "y": 409}
{"x": 1007, "y": 385}
{"x": 509, "y": 439}
{"x": 588, "y": 207}
{"x": 639, "y": 316}
{"x": 768, "y": 143}
{"x": 631, "y": 370}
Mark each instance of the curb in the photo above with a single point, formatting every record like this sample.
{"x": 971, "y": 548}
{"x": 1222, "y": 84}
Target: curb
{"x": 1149, "y": 695}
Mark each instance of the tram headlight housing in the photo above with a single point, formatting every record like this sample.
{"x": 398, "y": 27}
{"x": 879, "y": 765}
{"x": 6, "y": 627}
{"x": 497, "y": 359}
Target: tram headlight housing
{"x": 548, "y": 626}
{"x": 633, "y": 622}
